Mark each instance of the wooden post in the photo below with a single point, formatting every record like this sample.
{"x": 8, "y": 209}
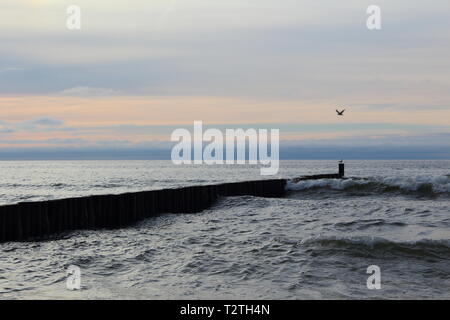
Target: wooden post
{"x": 341, "y": 169}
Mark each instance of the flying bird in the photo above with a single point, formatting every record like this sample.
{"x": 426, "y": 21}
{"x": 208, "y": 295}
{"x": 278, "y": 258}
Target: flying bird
{"x": 340, "y": 113}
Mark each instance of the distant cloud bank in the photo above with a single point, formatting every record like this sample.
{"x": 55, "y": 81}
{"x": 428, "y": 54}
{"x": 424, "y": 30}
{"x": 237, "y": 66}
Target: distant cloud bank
{"x": 88, "y": 92}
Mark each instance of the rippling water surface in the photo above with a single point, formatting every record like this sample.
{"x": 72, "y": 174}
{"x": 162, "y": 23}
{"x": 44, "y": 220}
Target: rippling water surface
{"x": 317, "y": 242}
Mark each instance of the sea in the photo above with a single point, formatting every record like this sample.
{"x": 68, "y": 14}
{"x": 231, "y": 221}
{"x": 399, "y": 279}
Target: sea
{"x": 383, "y": 233}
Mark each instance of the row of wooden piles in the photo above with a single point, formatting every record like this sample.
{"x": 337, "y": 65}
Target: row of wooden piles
{"x": 34, "y": 220}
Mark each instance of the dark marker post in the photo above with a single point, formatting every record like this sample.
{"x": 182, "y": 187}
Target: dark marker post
{"x": 341, "y": 169}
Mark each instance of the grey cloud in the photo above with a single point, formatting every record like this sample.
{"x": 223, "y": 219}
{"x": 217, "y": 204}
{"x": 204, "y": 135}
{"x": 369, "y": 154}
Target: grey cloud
{"x": 46, "y": 122}
{"x": 40, "y": 124}
{"x": 10, "y": 69}
{"x": 84, "y": 91}
{"x": 327, "y": 59}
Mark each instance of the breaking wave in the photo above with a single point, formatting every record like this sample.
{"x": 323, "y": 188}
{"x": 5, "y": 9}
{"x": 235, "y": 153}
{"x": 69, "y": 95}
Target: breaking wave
{"x": 420, "y": 184}
{"x": 423, "y": 247}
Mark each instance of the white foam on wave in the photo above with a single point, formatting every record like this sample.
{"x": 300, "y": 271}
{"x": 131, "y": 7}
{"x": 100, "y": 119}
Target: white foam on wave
{"x": 373, "y": 241}
{"x": 439, "y": 184}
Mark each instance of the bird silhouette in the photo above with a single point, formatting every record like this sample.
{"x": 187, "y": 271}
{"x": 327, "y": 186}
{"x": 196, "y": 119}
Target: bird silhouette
{"x": 340, "y": 113}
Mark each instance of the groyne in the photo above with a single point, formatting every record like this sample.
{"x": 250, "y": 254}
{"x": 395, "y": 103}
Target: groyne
{"x": 42, "y": 219}
{"x": 34, "y": 220}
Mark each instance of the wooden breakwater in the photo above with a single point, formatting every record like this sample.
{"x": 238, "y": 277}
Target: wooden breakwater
{"x": 41, "y": 219}
{"x": 35, "y": 220}
{"x": 339, "y": 175}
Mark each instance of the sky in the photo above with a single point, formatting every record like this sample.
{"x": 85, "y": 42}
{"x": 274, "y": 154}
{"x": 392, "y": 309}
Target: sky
{"x": 138, "y": 69}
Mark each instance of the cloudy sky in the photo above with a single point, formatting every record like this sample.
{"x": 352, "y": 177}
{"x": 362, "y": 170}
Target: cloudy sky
{"x": 138, "y": 69}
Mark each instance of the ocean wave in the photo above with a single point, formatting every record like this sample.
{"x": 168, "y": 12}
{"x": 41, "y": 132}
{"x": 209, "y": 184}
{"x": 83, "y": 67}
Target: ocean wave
{"x": 423, "y": 247}
{"x": 419, "y": 184}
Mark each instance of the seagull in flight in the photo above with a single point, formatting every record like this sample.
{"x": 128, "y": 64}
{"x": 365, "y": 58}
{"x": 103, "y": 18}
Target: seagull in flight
{"x": 340, "y": 113}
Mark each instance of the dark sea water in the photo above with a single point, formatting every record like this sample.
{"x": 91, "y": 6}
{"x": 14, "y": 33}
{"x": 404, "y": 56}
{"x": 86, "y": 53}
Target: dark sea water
{"x": 317, "y": 242}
